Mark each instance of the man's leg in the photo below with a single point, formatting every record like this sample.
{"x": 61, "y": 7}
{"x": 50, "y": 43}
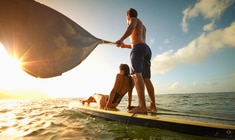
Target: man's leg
{"x": 139, "y": 85}
{"x": 150, "y": 90}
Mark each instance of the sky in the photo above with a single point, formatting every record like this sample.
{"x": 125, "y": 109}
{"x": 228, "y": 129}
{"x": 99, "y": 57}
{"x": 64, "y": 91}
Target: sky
{"x": 192, "y": 43}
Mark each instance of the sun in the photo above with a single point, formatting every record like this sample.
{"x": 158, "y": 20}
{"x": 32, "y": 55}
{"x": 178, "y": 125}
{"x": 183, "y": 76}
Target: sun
{"x": 8, "y": 61}
{"x": 14, "y": 81}
{"x": 10, "y": 71}
{"x": 14, "y": 63}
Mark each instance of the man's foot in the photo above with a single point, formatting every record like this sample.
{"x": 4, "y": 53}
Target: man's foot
{"x": 130, "y": 107}
{"x": 152, "y": 109}
{"x": 138, "y": 110}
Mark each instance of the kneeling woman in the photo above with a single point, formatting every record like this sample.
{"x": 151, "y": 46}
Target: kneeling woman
{"x": 123, "y": 84}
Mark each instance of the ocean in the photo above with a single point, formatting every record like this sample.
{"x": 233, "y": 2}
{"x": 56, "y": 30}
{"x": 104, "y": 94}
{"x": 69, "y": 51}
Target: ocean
{"x": 53, "y": 119}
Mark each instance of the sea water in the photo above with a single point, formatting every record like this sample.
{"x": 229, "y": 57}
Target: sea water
{"x": 53, "y": 119}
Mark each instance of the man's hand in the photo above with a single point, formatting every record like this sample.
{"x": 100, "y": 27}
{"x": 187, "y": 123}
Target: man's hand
{"x": 119, "y": 43}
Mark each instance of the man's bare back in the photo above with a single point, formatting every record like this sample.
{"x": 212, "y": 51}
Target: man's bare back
{"x": 139, "y": 32}
{"x": 135, "y": 30}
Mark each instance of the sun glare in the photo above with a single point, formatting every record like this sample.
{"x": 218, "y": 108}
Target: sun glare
{"x": 14, "y": 82}
{"x": 15, "y": 63}
{"x": 10, "y": 69}
{"x": 7, "y": 60}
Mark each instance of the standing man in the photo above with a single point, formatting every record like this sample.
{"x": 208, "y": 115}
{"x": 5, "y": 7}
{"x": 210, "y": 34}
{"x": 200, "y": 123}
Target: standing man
{"x": 140, "y": 60}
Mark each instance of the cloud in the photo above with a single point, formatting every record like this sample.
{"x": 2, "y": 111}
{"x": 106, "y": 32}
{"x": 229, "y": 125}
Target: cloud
{"x": 209, "y": 27}
{"x": 196, "y": 51}
{"x": 232, "y": 75}
{"x": 164, "y": 62}
{"x": 174, "y": 85}
{"x": 152, "y": 42}
{"x": 166, "y": 41}
{"x": 208, "y": 9}
{"x": 195, "y": 83}
{"x": 210, "y": 84}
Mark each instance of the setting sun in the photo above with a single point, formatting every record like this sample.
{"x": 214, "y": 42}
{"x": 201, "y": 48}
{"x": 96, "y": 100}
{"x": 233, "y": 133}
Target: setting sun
{"x": 14, "y": 82}
{"x": 10, "y": 65}
{"x": 13, "y": 63}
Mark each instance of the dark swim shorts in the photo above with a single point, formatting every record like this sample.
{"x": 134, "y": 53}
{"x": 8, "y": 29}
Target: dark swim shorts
{"x": 140, "y": 60}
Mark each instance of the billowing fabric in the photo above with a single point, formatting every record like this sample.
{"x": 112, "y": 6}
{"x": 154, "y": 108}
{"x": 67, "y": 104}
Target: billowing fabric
{"x": 46, "y": 42}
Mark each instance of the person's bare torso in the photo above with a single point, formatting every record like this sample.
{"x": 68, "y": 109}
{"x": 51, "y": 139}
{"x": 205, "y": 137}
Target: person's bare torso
{"x": 138, "y": 34}
{"x": 124, "y": 86}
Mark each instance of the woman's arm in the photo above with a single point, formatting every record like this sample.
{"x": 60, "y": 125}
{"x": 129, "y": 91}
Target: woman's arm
{"x": 129, "y": 98}
{"x": 130, "y": 93}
